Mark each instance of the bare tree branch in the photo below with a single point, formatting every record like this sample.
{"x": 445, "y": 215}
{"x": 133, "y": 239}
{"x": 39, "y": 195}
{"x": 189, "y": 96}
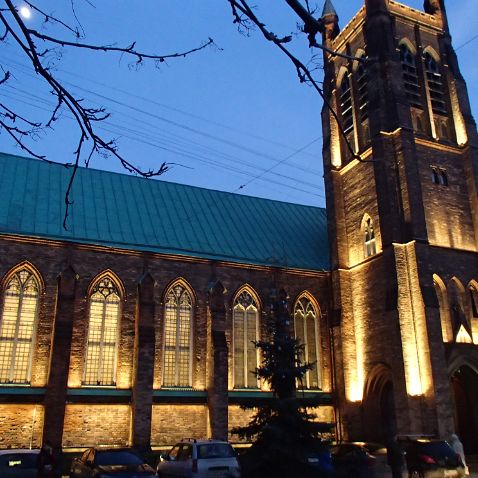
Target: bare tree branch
{"x": 85, "y": 117}
{"x": 304, "y": 74}
{"x": 51, "y": 18}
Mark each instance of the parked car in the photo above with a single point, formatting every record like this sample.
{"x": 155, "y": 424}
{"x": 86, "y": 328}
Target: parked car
{"x": 18, "y": 463}
{"x": 199, "y": 459}
{"x": 322, "y": 462}
{"x": 105, "y": 462}
{"x": 353, "y": 460}
{"x": 432, "y": 459}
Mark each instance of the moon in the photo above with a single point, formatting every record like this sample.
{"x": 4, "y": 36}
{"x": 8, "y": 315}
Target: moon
{"x": 25, "y": 12}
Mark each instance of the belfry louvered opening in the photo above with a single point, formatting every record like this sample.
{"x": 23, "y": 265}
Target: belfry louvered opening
{"x": 346, "y": 107}
{"x": 410, "y": 76}
{"x": 435, "y": 85}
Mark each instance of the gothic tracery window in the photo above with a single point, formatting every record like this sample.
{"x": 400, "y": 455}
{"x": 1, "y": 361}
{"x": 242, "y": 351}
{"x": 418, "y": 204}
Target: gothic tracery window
{"x": 307, "y": 333}
{"x": 370, "y": 242}
{"x": 17, "y": 327}
{"x": 178, "y": 314}
{"x": 245, "y": 329}
{"x": 410, "y": 76}
{"x": 435, "y": 85}
{"x": 103, "y": 324}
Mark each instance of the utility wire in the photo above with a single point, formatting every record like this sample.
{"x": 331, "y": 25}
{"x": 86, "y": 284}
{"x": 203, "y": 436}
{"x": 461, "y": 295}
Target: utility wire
{"x": 177, "y": 124}
{"x": 114, "y": 129}
{"x": 154, "y": 138}
{"x": 467, "y": 43}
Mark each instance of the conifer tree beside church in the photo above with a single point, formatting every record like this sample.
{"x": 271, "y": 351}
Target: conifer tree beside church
{"x": 282, "y": 429}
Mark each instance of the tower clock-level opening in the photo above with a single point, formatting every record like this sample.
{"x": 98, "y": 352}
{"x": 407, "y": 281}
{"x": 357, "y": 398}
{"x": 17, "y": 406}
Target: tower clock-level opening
{"x": 465, "y": 389}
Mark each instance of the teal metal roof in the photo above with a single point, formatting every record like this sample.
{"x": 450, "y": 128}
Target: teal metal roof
{"x": 132, "y": 213}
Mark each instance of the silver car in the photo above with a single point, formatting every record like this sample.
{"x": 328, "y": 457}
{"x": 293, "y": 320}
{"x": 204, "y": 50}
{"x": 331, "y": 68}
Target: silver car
{"x": 199, "y": 459}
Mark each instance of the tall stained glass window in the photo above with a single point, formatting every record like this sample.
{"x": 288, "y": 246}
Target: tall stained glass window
{"x": 245, "y": 326}
{"x": 177, "y": 338}
{"x": 104, "y": 316}
{"x": 306, "y": 331}
{"x": 17, "y": 327}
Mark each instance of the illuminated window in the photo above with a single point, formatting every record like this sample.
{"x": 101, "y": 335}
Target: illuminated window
{"x": 346, "y": 105}
{"x": 103, "y": 325}
{"x": 17, "y": 327}
{"x": 370, "y": 243}
{"x": 410, "y": 76}
{"x": 362, "y": 87}
{"x": 177, "y": 338}
{"x": 435, "y": 85}
{"x": 306, "y": 332}
{"x": 245, "y": 326}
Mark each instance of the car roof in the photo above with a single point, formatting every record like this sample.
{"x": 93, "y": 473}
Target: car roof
{"x": 34, "y": 451}
{"x": 110, "y": 449}
{"x": 203, "y": 441}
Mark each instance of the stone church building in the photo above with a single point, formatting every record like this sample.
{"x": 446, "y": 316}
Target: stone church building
{"x": 135, "y": 325}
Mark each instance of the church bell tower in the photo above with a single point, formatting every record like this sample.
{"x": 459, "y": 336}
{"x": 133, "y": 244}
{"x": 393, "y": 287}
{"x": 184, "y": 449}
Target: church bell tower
{"x": 401, "y": 176}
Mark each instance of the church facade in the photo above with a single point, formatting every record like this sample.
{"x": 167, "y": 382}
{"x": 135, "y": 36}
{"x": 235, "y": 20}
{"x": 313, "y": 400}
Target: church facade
{"x": 135, "y": 325}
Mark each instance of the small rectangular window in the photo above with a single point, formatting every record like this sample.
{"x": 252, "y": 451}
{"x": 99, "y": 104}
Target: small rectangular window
{"x": 439, "y": 176}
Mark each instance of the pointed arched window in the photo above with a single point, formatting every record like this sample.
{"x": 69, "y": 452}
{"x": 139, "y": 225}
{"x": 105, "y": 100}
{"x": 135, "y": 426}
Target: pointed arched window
{"x": 410, "y": 76}
{"x": 435, "y": 84}
{"x": 346, "y": 107}
{"x": 17, "y": 327}
{"x": 474, "y": 301}
{"x": 103, "y": 327}
{"x": 178, "y": 310}
{"x": 370, "y": 243}
{"x": 307, "y": 333}
{"x": 246, "y": 331}
{"x": 362, "y": 89}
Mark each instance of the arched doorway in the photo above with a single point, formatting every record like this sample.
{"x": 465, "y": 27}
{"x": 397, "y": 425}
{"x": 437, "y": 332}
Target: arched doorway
{"x": 379, "y": 418}
{"x": 464, "y": 384}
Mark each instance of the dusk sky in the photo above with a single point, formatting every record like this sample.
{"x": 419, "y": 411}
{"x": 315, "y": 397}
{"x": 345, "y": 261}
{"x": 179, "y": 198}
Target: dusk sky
{"x": 227, "y": 117}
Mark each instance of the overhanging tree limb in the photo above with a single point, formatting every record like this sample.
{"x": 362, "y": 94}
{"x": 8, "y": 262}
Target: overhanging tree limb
{"x": 304, "y": 74}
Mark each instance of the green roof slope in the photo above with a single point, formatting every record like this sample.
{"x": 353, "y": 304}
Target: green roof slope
{"x": 128, "y": 212}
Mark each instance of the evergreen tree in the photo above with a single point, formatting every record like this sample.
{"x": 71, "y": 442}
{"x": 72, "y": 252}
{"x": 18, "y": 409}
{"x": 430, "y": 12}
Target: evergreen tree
{"x": 282, "y": 429}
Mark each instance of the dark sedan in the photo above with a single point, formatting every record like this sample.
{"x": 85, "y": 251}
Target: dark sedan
{"x": 353, "y": 460}
{"x": 111, "y": 463}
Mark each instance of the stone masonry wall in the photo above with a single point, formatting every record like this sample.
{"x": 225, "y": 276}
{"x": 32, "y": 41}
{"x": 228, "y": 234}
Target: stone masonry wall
{"x": 171, "y": 423}
{"x": 21, "y": 426}
{"x": 93, "y": 425}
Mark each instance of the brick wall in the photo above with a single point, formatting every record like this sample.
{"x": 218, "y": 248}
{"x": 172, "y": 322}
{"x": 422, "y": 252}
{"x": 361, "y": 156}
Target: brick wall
{"x": 91, "y": 425}
{"x": 171, "y": 423}
{"x": 21, "y": 426}
{"x": 238, "y": 418}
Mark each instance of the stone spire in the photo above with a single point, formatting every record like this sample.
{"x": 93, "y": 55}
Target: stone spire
{"x": 330, "y": 21}
{"x": 329, "y": 9}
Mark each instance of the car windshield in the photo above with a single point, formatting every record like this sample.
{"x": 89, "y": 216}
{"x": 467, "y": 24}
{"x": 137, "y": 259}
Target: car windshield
{"x": 215, "y": 450}
{"x": 438, "y": 449}
{"x": 104, "y": 458}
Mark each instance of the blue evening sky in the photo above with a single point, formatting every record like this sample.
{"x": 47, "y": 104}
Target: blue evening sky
{"x": 226, "y": 117}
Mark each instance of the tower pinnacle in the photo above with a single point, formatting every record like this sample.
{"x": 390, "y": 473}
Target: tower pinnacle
{"x": 329, "y": 9}
{"x": 330, "y": 21}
